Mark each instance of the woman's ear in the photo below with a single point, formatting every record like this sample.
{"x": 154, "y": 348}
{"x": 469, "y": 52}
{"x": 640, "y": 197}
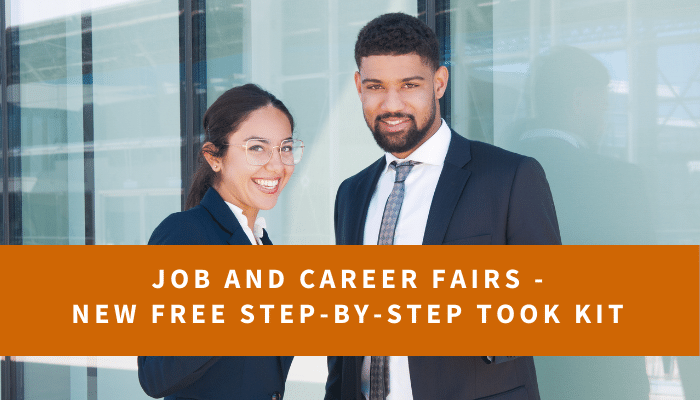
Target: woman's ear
{"x": 208, "y": 149}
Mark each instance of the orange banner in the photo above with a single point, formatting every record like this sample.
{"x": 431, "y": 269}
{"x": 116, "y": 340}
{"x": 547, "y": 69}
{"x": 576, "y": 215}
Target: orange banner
{"x": 322, "y": 300}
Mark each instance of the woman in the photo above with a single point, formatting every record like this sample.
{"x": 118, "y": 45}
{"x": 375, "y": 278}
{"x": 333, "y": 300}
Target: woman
{"x": 250, "y": 155}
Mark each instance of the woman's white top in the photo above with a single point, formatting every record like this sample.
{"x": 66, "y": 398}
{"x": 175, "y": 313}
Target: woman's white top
{"x": 254, "y": 236}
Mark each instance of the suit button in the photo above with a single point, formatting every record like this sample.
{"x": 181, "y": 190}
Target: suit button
{"x": 276, "y": 396}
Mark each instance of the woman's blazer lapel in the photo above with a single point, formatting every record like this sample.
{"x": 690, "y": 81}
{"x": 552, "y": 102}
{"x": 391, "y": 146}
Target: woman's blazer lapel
{"x": 223, "y": 215}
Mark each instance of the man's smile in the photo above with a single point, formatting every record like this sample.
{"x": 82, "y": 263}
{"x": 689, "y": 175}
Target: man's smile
{"x": 395, "y": 123}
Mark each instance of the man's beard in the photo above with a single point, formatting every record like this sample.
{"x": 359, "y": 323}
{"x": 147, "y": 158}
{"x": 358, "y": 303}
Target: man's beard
{"x": 408, "y": 140}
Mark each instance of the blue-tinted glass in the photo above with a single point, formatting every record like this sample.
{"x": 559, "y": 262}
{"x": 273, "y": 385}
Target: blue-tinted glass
{"x": 605, "y": 95}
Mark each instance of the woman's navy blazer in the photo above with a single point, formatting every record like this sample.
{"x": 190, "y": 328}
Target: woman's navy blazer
{"x": 210, "y": 222}
{"x": 210, "y": 378}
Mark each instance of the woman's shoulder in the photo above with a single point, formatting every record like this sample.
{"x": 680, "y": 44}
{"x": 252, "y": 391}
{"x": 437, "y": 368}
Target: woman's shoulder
{"x": 185, "y": 227}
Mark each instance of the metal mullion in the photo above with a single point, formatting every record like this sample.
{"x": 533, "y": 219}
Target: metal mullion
{"x": 189, "y": 85}
{"x": 199, "y": 58}
{"x": 430, "y": 14}
{"x": 88, "y": 128}
{"x": 186, "y": 98}
{"x": 442, "y": 10}
{"x": 12, "y": 134}
{"x": 192, "y": 86}
{"x": 12, "y": 375}
{"x": 5, "y": 378}
{"x": 91, "y": 383}
{"x": 17, "y": 380}
{"x": 5, "y": 129}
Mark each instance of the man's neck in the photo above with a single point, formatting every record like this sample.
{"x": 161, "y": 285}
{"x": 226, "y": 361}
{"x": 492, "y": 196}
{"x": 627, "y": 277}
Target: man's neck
{"x": 433, "y": 129}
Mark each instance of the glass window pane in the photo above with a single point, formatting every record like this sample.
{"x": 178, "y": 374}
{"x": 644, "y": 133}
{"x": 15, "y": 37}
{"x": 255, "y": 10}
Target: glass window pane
{"x": 80, "y": 378}
{"x": 97, "y": 94}
{"x": 605, "y": 95}
{"x": 136, "y": 97}
{"x": 47, "y": 92}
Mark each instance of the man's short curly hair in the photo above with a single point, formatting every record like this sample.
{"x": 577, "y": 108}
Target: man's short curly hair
{"x": 398, "y": 34}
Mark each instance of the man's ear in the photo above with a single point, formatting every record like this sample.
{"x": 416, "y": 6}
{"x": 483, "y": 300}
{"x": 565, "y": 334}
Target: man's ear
{"x": 440, "y": 81}
{"x": 208, "y": 150}
{"x": 358, "y": 83}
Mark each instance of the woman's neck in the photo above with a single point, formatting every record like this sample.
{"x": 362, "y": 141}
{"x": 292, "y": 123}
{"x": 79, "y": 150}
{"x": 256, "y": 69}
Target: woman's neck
{"x": 250, "y": 213}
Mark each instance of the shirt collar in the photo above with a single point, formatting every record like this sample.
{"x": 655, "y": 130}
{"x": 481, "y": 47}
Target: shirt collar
{"x": 432, "y": 152}
{"x": 243, "y": 220}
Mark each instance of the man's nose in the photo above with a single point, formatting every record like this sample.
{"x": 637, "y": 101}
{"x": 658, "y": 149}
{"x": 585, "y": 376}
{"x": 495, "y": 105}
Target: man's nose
{"x": 393, "y": 101}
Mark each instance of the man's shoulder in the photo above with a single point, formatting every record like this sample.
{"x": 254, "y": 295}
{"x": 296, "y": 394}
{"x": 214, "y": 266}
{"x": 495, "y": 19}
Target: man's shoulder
{"x": 367, "y": 174}
{"x": 485, "y": 152}
{"x": 488, "y": 156}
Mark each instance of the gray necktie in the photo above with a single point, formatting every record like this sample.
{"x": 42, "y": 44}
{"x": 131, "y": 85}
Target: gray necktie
{"x": 393, "y": 203}
{"x": 378, "y": 377}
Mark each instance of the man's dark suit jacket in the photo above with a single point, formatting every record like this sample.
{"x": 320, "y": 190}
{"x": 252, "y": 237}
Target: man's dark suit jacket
{"x": 210, "y": 378}
{"x": 485, "y": 195}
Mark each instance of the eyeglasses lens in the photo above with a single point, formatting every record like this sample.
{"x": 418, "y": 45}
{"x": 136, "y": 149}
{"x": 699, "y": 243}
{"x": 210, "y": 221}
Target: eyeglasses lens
{"x": 260, "y": 152}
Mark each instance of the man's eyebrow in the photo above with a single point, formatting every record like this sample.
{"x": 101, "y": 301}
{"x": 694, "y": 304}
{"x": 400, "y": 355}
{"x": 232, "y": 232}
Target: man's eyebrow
{"x": 410, "y": 78}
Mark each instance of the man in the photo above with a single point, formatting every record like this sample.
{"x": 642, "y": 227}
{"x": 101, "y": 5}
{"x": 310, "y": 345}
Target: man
{"x": 600, "y": 199}
{"x": 441, "y": 189}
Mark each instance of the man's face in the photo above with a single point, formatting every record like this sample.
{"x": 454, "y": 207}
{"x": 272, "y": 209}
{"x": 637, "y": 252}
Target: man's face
{"x": 399, "y": 96}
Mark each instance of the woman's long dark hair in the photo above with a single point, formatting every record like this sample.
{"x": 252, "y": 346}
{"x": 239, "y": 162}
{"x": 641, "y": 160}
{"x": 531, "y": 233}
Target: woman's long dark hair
{"x": 225, "y": 116}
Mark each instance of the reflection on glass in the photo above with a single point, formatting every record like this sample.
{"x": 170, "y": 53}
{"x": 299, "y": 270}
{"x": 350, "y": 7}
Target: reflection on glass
{"x": 49, "y": 96}
{"x": 110, "y": 74}
{"x": 606, "y": 95}
{"x": 79, "y": 378}
{"x": 600, "y": 199}
{"x": 136, "y": 96}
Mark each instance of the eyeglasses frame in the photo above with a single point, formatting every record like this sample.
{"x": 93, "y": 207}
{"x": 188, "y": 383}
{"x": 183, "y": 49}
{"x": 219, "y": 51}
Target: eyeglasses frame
{"x": 279, "y": 150}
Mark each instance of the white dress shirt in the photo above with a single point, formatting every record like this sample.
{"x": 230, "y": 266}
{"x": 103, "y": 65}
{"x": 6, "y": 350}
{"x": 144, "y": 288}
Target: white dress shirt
{"x": 243, "y": 220}
{"x": 418, "y": 193}
{"x": 418, "y": 196}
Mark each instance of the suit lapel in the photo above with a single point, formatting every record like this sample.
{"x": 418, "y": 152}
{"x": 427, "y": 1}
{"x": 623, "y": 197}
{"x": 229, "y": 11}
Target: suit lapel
{"x": 223, "y": 215}
{"x": 265, "y": 239}
{"x": 450, "y": 185}
{"x": 364, "y": 192}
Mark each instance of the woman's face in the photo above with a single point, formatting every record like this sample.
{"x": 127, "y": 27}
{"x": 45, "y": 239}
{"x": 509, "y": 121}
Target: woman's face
{"x": 254, "y": 187}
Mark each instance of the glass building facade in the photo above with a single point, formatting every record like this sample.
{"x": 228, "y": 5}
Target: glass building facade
{"x": 102, "y": 100}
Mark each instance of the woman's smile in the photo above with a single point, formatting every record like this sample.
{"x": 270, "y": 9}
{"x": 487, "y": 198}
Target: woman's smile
{"x": 267, "y": 185}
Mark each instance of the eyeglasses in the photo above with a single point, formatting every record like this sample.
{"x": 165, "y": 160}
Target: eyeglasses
{"x": 259, "y": 151}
